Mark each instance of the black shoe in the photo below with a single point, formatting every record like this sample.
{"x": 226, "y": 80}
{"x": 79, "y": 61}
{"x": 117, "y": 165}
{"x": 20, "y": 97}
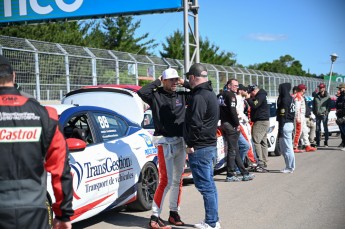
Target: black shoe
{"x": 260, "y": 169}
{"x": 157, "y": 223}
{"x": 326, "y": 144}
{"x": 175, "y": 219}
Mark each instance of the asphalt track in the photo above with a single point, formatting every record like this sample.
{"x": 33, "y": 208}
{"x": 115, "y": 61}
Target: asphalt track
{"x": 312, "y": 197}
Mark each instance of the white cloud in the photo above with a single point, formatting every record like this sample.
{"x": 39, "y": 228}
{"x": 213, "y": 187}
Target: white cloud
{"x": 267, "y": 37}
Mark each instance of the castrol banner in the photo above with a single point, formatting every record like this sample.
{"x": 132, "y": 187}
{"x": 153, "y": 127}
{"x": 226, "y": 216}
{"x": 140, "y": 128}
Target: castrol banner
{"x": 20, "y": 134}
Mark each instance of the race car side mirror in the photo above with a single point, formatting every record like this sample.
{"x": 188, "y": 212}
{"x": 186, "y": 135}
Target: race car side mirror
{"x": 75, "y": 144}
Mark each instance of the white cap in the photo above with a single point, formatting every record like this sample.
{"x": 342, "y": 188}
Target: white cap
{"x": 169, "y": 73}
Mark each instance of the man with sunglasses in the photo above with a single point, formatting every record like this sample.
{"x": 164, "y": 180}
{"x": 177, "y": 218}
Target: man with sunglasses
{"x": 231, "y": 132}
{"x": 168, "y": 109}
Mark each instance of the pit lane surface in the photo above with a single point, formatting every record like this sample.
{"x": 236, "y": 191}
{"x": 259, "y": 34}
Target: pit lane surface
{"x": 313, "y": 197}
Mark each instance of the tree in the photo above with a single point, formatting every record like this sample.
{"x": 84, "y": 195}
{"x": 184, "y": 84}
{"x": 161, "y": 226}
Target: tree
{"x": 59, "y": 32}
{"x": 174, "y": 47}
{"x": 118, "y": 34}
{"x": 285, "y": 64}
{"x": 209, "y": 53}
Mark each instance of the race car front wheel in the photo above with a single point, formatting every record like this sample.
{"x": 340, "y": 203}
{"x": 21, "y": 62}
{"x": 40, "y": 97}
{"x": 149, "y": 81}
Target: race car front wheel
{"x": 147, "y": 185}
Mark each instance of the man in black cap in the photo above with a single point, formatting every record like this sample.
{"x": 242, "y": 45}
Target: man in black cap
{"x": 257, "y": 100}
{"x": 31, "y": 144}
{"x": 199, "y": 132}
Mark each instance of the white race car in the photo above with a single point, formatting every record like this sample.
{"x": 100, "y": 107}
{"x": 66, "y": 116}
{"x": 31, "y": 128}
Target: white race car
{"x": 272, "y": 133}
{"x": 333, "y": 128}
{"x": 113, "y": 161}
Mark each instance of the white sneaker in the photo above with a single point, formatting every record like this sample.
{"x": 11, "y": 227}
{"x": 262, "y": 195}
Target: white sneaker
{"x": 204, "y": 225}
{"x": 343, "y": 149}
{"x": 286, "y": 171}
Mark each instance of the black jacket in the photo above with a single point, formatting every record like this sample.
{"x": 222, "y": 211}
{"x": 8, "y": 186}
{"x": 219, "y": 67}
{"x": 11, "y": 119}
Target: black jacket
{"x": 202, "y": 116}
{"x": 228, "y": 112}
{"x": 285, "y": 106}
{"x": 340, "y": 105}
{"x": 31, "y": 144}
{"x": 260, "y": 110}
{"x": 168, "y": 109}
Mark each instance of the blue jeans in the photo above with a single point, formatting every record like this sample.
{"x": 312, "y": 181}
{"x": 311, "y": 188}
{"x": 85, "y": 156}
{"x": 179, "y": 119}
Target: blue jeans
{"x": 286, "y": 146}
{"x": 201, "y": 165}
{"x": 243, "y": 145}
{"x": 324, "y": 120}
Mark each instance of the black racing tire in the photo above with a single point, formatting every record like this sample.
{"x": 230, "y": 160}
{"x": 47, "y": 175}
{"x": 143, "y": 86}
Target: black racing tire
{"x": 277, "y": 151}
{"x": 50, "y": 211}
{"x": 147, "y": 185}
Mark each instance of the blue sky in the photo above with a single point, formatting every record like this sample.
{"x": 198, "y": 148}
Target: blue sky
{"x": 262, "y": 31}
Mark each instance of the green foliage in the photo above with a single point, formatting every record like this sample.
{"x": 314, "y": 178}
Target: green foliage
{"x": 118, "y": 34}
{"x": 209, "y": 53}
{"x": 174, "y": 48}
{"x": 59, "y": 32}
{"x": 285, "y": 64}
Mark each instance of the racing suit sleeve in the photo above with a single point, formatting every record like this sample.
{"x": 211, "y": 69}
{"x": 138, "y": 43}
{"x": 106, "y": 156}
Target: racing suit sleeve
{"x": 198, "y": 108}
{"x": 146, "y": 92}
{"x": 298, "y": 104}
{"x": 57, "y": 164}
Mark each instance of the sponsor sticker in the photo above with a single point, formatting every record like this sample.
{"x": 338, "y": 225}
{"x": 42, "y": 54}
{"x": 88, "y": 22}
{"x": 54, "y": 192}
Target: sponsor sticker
{"x": 20, "y": 134}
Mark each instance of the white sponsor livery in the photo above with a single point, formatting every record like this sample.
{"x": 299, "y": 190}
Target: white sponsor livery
{"x": 37, "y": 8}
{"x": 20, "y": 134}
{"x": 5, "y": 116}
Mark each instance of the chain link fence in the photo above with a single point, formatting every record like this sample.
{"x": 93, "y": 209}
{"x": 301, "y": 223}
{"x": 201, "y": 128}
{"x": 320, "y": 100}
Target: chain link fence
{"x": 50, "y": 70}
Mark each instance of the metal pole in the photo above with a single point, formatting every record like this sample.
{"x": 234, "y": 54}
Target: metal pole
{"x": 330, "y": 76}
{"x": 186, "y": 36}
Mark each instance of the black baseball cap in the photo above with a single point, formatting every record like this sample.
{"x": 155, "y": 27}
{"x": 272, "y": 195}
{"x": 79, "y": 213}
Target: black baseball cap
{"x": 197, "y": 69}
{"x": 242, "y": 87}
{"x": 252, "y": 87}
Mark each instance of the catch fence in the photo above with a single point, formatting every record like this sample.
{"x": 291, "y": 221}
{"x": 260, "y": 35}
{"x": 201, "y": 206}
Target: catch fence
{"x": 50, "y": 70}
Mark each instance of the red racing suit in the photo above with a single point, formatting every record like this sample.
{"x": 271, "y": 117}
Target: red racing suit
{"x": 31, "y": 145}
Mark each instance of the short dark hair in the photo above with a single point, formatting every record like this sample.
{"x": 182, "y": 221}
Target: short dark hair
{"x": 6, "y": 73}
{"x": 230, "y": 80}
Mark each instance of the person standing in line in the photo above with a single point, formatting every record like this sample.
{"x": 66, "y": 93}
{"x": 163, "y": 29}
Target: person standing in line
{"x": 285, "y": 118}
{"x": 168, "y": 109}
{"x": 245, "y": 139}
{"x": 301, "y": 130}
{"x": 230, "y": 127}
{"x": 257, "y": 100}
{"x": 342, "y": 143}
{"x": 31, "y": 145}
{"x": 199, "y": 132}
{"x": 340, "y": 109}
{"x": 321, "y": 107}
{"x": 310, "y": 124}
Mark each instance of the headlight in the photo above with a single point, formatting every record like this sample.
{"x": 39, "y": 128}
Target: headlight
{"x": 270, "y": 130}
